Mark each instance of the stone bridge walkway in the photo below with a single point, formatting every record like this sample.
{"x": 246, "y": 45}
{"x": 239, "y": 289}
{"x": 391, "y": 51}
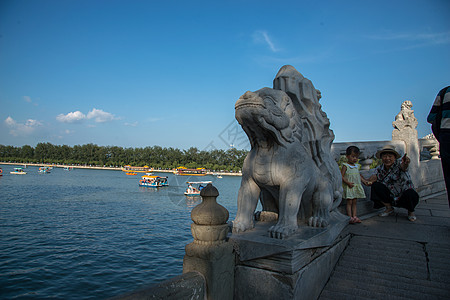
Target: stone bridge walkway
{"x": 393, "y": 258}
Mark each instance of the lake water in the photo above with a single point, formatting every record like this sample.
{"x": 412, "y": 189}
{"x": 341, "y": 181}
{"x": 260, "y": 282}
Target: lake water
{"x": 93, "y": 233}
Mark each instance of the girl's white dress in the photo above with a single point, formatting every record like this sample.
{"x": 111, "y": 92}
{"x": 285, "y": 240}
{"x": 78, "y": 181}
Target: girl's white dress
{"x": 352, "y": 175}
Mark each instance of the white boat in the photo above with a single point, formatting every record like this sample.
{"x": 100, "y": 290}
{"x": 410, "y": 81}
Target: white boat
{"x": 18, "y": 171}
{"x": 195, "y": 187}
{"x": 44, "y": 170}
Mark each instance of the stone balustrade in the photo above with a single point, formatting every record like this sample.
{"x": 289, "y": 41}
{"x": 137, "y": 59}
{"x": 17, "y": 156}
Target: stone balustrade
{"x": 428, "y": 146}
{"x": 368, "y": 150}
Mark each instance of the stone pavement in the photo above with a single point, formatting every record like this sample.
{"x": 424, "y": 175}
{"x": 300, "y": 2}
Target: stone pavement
{"x": 393, "y": 258}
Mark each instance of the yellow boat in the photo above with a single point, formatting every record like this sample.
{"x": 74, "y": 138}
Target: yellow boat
{"x": 190, "y": 172}
{"x": 132, "y": 169}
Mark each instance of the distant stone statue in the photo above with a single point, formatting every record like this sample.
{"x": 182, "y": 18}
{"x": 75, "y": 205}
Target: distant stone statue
{"x": 405, "y": 124}
{"x": 289, "y": 167}
{"x": 405, "y": 118}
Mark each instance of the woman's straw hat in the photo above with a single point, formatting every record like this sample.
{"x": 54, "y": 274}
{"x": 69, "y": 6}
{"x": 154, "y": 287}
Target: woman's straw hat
{"x": 387, "y": 149}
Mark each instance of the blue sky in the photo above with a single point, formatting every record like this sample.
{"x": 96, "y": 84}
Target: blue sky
{"x": 145, "y": 73}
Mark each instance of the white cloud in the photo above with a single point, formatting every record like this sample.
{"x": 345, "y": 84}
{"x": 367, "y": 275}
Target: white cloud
{"x": 10, "y": 122}
{"x": 262, "y": 36}
{"x": 100, "y": 116}
{"x": 413, "y": 40}
{"x": 72, "y": 117}
{"x": 28, "y": 100}
{"x": 153, "y": 119}
{"x": 438, "y": 38}
{"x": 21, "y": 129}
{"x": 134, "y": 124}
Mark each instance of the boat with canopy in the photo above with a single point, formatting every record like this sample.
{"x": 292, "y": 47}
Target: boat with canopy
{"x": 195, "y": 187}
{"x": 18, "y": 171}
{"x": 153, "y": 181}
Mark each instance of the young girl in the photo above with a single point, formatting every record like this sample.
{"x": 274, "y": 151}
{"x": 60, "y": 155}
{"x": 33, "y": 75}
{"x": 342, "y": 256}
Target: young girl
{"x": 351, "y": 179}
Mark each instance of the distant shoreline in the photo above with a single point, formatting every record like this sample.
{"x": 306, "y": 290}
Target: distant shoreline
{"x": 109, "y": 168}
{"x": 61, "y": 166}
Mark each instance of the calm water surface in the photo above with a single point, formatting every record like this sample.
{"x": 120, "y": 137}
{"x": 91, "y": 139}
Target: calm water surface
{"x": 93, "y": 233}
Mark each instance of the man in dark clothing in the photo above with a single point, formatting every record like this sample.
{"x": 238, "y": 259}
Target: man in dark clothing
{"x": 439, "y": 116}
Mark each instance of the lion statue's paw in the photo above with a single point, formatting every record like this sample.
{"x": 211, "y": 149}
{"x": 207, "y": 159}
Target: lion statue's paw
{"x": 317, "y": 222}
{"x": 282, "y": 231}
{"x": 239, "y": 226}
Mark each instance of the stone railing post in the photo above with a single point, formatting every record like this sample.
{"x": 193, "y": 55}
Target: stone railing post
{"x": 210, "y": 253}
{"x": 405, "y": 130}
{"x": 365, "y": 160}
{"x": 434, "y": 151}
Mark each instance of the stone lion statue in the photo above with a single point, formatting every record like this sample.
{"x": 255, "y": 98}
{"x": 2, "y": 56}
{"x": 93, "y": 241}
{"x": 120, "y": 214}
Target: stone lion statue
{"x": 289, "y": 167}
{"x": 405, "y": 118}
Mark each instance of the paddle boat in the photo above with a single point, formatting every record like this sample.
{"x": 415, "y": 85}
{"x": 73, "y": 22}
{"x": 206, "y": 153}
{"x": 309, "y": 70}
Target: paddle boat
{"x": 1, "y": 172}
{"x": 68, "y": 168}
{"x": 18, "y": 171}
{"x": 194, "y": 187}
{"x": 44, "y": 170}
{"x": 164, "y": 181}
{"x": 131, "y": 173}
{"x": 153, "y": 181}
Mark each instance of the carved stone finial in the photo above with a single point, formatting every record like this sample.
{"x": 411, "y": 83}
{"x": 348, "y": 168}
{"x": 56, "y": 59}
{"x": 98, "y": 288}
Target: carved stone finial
{"x": 210, "y": 218}
{"x": 209, "y": 253}
{"x": 209, "y": 191}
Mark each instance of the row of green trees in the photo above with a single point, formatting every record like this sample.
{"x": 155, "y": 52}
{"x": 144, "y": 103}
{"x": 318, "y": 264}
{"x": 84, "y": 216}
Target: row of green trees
{"x": 156, "y": 156}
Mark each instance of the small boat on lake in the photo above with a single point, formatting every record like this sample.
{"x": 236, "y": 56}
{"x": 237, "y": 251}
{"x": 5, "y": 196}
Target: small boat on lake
{"x": 18, "y": 171}
{"x": 132, "y": 169}
{"x": 195, "y": 187}
{"x": 131, "y": 173}
{"x": 1, "y": 172}
{"x": 44, "y": 170}
{"x": 190, "y": 172}
{"x": 153, "y": 181}
{"x": 68, "y": 168}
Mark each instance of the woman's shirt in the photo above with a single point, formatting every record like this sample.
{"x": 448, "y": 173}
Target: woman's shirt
{"x": 396, "y": 180}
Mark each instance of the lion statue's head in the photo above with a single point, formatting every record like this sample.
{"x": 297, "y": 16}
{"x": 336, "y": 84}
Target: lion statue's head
{"x": 268, "y": 117}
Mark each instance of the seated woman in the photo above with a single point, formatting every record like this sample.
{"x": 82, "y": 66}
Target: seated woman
{"x": 392, "y": 184}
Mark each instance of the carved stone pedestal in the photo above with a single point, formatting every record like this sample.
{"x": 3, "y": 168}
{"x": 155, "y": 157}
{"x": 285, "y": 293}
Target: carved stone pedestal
{"x": 216, "y": 264}
{"x": 294, "y": 268}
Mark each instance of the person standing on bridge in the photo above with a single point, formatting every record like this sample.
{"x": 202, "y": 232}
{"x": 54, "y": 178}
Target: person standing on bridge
{"x": 351, "y": 181}
{"x": 439, "y": 117}
{"x": 392, "y": 184}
